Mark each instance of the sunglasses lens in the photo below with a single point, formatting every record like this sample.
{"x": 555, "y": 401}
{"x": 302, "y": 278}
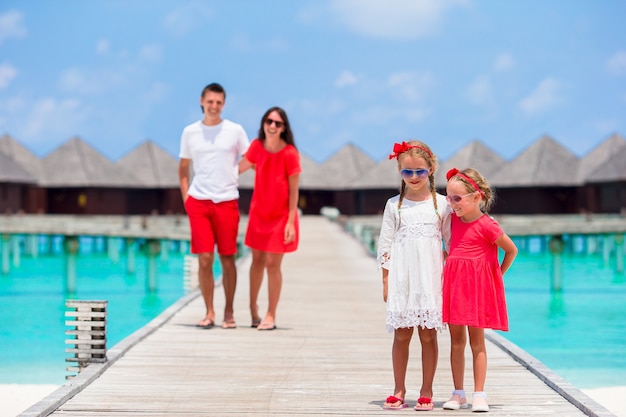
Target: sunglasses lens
{"x": 276, "y": 122}
{"x": 408, "y": 173}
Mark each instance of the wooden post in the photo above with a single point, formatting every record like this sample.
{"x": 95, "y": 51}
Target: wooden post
{"x": 6, "y": 251}
{"x": 130, "y": 255}
{"x": 87, "y": 333}
{"x": 113, "y": 250}
{"x": 70, "y": 246}
{"x": 152, "y": 249}
{"x": 556, "y": 247}
{"x": 165, "y": 250}
{"x": 619, "y": 253}
{"x": 606, "y": 250}
{"x": 15, "y": 249}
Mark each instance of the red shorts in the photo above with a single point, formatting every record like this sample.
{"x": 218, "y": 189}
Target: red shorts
{"x": 213, "y": 223}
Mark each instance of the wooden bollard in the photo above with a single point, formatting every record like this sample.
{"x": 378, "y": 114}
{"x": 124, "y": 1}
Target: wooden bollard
{"x": 87, "y": 320}
{"x": 190, "y": 273}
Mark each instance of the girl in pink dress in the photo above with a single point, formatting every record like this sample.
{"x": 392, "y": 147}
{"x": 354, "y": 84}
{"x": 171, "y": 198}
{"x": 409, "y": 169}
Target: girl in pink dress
{"x": 473, "y": 289}
{"x": 273, "y": 217}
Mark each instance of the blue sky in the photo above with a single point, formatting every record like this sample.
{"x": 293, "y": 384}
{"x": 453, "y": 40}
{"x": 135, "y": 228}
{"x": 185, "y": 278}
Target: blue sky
{"x": 116, "y": 73}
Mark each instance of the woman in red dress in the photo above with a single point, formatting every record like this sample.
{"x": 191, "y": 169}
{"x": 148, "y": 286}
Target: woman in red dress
{"x": 273, "y": 217}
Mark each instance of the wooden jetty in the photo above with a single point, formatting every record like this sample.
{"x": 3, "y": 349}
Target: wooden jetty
{"x": 330, "y": 354}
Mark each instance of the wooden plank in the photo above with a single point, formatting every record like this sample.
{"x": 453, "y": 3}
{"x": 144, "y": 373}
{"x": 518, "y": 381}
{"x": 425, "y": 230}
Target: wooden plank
{"x": 329, "y": 356}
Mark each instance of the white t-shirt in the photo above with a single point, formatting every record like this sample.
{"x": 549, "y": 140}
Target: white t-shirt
{"x": 214, "y": 152}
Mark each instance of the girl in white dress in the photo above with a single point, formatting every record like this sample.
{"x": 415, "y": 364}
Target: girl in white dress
{"x": 410, "y": 254}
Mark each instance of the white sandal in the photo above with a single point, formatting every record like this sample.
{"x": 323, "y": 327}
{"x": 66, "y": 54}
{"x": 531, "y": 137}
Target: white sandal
{"x": 456, "y": 403}
{"x": 479, "y": 402}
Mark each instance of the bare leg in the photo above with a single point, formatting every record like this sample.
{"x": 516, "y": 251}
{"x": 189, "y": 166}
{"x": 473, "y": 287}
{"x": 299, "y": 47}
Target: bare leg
{"x": 274, "y": 286}
{"x": 257, "y": 269}
{"x": 430, "y": 355}
{"x": 229, "y": 281}
{"x": 207, "y": 285}
{"x": 457, "y": 354}
{"x": 479, "y": 356}
{"x": 400, "y": 360}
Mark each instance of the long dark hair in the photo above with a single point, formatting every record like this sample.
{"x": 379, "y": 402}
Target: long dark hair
{"x": 286, "y": 134}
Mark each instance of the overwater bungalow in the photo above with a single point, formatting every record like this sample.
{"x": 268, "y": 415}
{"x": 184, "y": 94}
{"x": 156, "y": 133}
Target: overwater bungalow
{"x": 545, "y": 178}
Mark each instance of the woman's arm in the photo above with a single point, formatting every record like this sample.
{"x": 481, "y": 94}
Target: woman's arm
{"x": 245, "y": 165}
{"x": 290, "y": 229}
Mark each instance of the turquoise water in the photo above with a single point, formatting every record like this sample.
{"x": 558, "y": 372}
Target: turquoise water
{"x": 32, "y": 304}
{"x": 580, "y": 332}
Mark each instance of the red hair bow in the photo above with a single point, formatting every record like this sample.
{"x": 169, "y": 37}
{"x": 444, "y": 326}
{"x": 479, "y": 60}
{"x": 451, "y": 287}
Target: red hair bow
{"x": 399, "y": 148}
{"x": 451, "y": 173}
{"x": 458, "y": 173}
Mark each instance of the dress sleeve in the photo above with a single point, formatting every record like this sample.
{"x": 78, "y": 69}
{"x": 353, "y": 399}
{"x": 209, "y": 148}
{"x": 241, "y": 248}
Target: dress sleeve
{"x": 492, "y": 229}
{"x": 387, "y": 230}
{"x": 292, "y": 161}
{"x": 253, "y": 151}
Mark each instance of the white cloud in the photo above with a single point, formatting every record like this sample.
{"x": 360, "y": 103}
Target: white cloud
{"x": 7, "y": 74}
{"x": 12, "y": 25}
{"x": 480, "y": 91}
{"x": 187, "y": 18}
{"x": 410, "y": 86}
{"x": 89, "y": 81}
{"x": 157, "y": 92}
{"x": 504, "y": 62}
{"x": 544, "y": 97}
{"x": 151, "y": 52}
{"x": 103, "y": 47}
{"x": 616, "y": 64}
{"x": 393, "y": 19}
{"x": 50, "y": 116}
{"x": 345, "y": 78}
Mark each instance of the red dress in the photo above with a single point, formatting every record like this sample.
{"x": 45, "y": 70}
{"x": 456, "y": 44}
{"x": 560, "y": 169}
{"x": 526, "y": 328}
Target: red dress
{"x": 473, "y": 288}
{"x": 269, "y": 207}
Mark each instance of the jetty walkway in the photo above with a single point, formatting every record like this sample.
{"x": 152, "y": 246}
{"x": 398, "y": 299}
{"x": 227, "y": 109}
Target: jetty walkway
{"x": 330, "y": 354}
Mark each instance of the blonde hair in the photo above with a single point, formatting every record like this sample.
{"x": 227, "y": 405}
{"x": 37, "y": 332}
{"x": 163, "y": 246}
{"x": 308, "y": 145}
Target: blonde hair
{"x": 420, "y": 149}
{"x": 484, "y": 189}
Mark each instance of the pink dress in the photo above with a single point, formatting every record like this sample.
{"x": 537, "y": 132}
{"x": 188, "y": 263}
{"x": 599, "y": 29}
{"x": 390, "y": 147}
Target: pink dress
{"x": 473, "y": 288}
{"x": 269, "y": 207}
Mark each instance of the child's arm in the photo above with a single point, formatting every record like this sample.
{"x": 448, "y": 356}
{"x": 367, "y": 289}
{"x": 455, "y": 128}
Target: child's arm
{"x": 385, "y": 276}
{"x": 510, "y": 251}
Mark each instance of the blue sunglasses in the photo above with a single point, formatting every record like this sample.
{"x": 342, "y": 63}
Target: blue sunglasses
{"x": 420, "y": 173}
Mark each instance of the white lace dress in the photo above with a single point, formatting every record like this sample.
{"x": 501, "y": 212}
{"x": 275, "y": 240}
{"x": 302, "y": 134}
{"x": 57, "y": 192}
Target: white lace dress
{"x": 410, "y": 246}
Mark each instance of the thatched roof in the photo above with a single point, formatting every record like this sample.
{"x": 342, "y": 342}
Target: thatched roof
{"x": 612, "y": 170}
{"x": 544, "y": 163}
{"x": 383, "y": 175}
{"x": 151, "y": 165}
{"x": 311, "y": 177}
{"x": 475, "y": 155}
{"x": 76, "y": 164}
{"x": 22, "y": 156}
{"x": 12, "y": 172}
{"x": 342, "y": 169}
{"x": 592, "y": 163}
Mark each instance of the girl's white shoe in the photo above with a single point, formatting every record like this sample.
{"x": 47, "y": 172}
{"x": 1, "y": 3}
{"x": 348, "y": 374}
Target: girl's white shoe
{"x": 457, "y": 401}
{"x": 479, "y": 403}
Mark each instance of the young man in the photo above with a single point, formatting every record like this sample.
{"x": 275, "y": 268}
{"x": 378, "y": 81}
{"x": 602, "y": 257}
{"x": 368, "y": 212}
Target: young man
{"x": 213, "y": 146}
